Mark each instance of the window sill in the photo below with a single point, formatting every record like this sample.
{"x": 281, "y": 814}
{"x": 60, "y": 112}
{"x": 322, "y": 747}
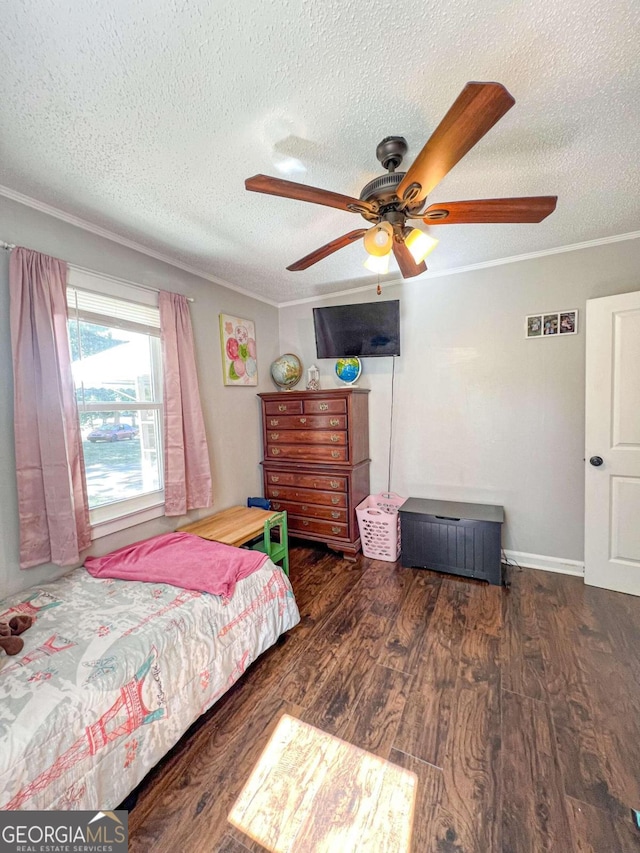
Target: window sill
{"x": 122, "y": 522}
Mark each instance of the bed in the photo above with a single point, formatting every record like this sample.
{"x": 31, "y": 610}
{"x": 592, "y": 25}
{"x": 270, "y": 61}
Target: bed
{"x": 112, "y": 674}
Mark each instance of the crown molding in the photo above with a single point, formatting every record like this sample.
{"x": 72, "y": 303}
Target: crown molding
{"x": 7, "y": 192}
{"x": 514, "y": 259}
{"x": 384, "y": 282}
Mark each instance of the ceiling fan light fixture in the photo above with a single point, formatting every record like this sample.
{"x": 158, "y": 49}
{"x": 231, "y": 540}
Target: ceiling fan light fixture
{"x": 379, "y": 239}
{"x": 420, "y": 244}
{"x": 377, "y": 263}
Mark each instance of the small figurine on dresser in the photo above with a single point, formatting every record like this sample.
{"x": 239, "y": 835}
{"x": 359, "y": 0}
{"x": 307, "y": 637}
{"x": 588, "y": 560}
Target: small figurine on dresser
{"x": 313, "y": 378}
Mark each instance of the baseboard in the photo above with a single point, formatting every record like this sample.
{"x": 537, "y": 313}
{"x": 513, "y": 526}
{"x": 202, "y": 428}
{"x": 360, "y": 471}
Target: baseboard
{"x": 547, "y": 564}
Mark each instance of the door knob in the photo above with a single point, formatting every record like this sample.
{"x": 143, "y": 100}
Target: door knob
{"x": 596, "y": 461}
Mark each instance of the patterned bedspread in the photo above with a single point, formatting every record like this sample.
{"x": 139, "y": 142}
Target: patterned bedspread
{"x": 111, "y": 675}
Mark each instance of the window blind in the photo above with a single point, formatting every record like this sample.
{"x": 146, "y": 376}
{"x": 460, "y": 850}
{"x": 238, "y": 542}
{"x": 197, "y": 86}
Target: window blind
{"x": 109, "y": 311}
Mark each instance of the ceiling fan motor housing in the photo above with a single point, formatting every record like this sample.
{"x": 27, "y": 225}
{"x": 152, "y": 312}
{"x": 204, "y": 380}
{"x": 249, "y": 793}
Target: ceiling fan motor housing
{"x": 383, "y": 190}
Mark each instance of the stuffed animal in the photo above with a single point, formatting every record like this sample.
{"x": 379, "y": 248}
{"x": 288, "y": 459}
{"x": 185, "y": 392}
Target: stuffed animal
{"x": 10, "y": 640}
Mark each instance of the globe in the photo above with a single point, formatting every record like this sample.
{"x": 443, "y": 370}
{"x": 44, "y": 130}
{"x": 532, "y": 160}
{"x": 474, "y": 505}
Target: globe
{"x": 348, "y": 370}
{"x": 286, "y": 371}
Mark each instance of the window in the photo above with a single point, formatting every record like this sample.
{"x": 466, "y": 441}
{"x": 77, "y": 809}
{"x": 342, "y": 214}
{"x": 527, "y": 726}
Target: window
{"x": 117, "y": 372}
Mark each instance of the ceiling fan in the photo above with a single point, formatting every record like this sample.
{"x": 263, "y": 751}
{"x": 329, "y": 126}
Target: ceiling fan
{"x": 390, "y": 200}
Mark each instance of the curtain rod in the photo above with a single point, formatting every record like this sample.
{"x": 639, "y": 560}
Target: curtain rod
{"x": 8, "y": 247}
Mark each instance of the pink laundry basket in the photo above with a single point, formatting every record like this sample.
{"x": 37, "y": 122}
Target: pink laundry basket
{"x": 379, "y": 525}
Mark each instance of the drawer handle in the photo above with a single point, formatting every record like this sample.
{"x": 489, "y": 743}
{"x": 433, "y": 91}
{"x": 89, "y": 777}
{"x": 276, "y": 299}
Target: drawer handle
{"x": 275, "y": 493}
{"x": 324, "y": 407}
{"x": 335, "y": 529}
{"x": 275, "y": 504}
{"x": 275, "y": 436}
{"x": 335, "y": 454}
{"x": 304, "y": 507}
{"x": 334, "y": 422}
{"x": 282, "y": 407}
{"x": 335, "y": 514}
{"x": 275, "y": 451}
{"x": 334, "y": 484}
{"x": 335, "y": 501}
{"x": 335, "y": 438}
{"x": 274, "y": 421}
{"x": 275, "y": 479}
{"x": 303, "y": 420}
{"x": 447, "y": 518}
{"x": 305, "y": 522}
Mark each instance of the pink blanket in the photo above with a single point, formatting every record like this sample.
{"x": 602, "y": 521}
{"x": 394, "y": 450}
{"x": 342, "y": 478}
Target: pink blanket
{"x": 180, "y": 559}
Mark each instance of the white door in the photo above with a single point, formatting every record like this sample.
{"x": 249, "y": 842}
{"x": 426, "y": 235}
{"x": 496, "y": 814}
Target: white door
{"x": 612, "y": 508}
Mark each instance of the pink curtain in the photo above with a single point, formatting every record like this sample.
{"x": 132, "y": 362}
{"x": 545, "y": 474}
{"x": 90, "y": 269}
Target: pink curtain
{"x": 52, "y": 499}
{"x": 187, "y": 473}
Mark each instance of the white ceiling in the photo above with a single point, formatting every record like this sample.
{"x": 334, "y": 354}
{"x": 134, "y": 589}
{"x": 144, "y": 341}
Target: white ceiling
{"x": 145, "y": 116}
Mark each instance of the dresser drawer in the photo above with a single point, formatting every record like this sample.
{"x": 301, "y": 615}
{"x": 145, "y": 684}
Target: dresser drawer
{"x": 306, "y": 496}
{"x": 284, "y": 407}
{"x": 306, "y": 436}
{"x": 307, "y": 481}
{"x": 308, "y": 452}
{"x": 323, "y": 406}
{"x": 297, "y": 524}
{"x": 307, "y": 422}
{"x": 310, "y": 510}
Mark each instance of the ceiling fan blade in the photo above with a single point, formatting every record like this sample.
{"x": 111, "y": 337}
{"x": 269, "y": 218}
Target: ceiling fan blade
{"x": 328, "y": 249}
{"x": 290, "y": 189}
{"x": 531, "y": 209}
{"x": 408, "y": 267}
{"x": 476, "y": 109}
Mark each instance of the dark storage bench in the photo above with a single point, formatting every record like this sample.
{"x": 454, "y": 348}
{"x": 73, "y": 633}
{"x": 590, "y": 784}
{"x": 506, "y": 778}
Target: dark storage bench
{"x": 447, "y": 536}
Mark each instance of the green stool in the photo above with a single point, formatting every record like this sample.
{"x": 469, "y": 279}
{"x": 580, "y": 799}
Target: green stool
{"x": 275, "y": 550}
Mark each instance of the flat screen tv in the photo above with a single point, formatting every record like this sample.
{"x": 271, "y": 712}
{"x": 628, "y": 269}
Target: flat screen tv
{"x": 365, "y": 330}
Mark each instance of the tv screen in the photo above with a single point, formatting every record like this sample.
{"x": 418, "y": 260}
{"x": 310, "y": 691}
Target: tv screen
{"x": 369, "y": 329}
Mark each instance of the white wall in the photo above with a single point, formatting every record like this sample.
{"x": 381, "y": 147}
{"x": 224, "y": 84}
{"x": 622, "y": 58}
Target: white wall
{"x": 481, "y": 414}
{"x": 231, "y": 413}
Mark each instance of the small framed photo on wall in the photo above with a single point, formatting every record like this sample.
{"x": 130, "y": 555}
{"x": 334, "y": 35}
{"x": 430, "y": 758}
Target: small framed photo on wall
{"x": 550, "y": 323}
{"x": 534, "y": 326}
{"x": 568, "y": 322}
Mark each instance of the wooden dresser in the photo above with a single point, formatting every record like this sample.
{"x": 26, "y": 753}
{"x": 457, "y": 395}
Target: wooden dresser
{"x": 316, "y": 462}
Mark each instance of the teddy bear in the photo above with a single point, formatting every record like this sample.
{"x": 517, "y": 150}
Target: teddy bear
{"x": 10, "y": 640}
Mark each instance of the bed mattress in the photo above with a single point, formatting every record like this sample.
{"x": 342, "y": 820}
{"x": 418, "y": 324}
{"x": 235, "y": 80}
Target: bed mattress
{"x": 112, "y": 674}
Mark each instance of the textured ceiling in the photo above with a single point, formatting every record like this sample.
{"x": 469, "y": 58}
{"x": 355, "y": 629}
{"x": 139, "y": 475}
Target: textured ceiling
{"x": 145, "y": 116}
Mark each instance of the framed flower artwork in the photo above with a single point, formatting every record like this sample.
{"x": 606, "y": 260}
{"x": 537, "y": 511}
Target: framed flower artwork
{"x": 239, "y": 356}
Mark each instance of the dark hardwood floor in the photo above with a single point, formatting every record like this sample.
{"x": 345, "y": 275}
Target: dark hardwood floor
{"x": 518, "y": 709}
